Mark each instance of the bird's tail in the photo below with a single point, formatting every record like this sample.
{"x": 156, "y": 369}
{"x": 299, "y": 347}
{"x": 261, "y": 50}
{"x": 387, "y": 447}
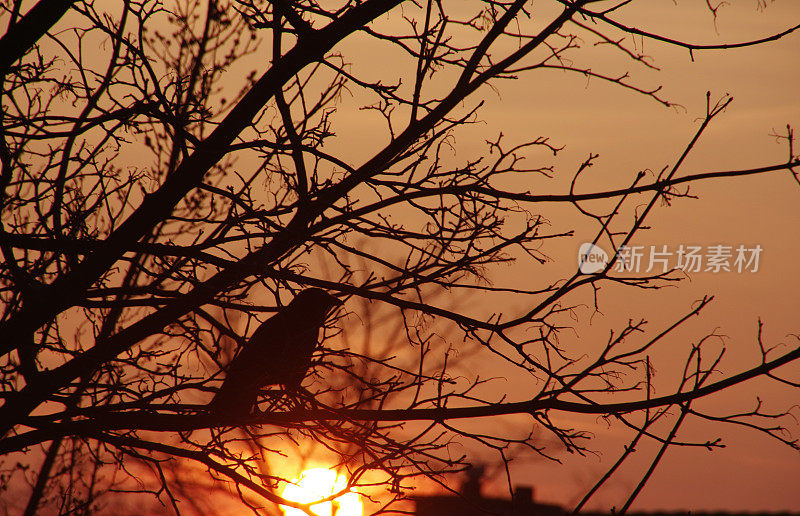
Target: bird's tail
{"x": 228, "y": 401}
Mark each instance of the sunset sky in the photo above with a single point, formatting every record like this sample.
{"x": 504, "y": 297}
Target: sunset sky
{"x": 632, "y": 133}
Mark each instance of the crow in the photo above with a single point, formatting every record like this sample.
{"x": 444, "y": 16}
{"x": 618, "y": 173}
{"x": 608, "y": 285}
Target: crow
{"x": 278, "y": 353}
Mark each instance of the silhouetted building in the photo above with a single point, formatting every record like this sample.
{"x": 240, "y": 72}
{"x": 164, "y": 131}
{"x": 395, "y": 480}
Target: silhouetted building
{"x": 470, "y": 502}
{"x": 521, "y": 505}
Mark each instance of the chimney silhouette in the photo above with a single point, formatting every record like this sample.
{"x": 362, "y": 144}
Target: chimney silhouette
{"x": 471, "y": 487}
{"x": 523, "y": 496}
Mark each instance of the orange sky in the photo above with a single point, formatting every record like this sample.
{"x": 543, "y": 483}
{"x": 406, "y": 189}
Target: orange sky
{"x": 632, "y": 133}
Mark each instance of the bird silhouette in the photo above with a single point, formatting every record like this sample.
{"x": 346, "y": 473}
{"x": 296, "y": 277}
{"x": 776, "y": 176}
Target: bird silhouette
{"x": 278, "y": 353}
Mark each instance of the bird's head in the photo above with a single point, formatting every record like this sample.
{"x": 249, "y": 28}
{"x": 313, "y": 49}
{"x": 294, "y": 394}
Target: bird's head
{"x": 315, "y": 302}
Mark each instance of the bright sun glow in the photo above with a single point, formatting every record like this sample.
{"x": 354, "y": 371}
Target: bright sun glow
{"x": 315, "y": 484}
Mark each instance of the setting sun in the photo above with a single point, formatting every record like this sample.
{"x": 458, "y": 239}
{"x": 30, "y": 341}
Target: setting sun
{"x": 319, "y": 483}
